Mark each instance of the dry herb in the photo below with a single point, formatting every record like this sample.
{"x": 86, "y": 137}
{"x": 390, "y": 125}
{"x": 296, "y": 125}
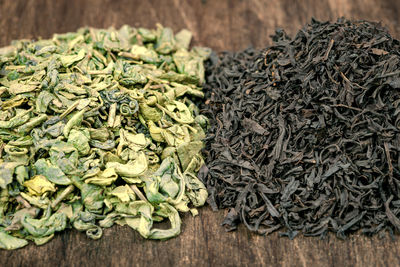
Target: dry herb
{"x": 99, "y": 127}
{"x": 305, "y": 135}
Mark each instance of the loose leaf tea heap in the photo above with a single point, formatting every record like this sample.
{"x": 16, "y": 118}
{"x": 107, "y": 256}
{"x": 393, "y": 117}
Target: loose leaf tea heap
{"x": 99, "y": 127}
{"x": 305, "y": 134}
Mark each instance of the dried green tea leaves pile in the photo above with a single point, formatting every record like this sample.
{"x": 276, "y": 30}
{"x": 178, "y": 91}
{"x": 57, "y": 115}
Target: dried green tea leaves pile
{"x": 305, "y": 135}
{"x": 99, "y": 127}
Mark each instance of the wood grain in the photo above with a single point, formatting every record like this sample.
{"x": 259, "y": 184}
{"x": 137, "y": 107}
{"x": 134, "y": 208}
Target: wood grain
{"x": 221, "y": 25}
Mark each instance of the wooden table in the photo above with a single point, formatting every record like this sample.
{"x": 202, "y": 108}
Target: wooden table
{"x": 220, "y": 25}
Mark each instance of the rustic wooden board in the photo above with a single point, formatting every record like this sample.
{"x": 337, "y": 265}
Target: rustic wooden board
{"x": 221, "y": 25}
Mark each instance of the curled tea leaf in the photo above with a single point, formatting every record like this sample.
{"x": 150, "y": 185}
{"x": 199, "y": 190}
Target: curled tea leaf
{"x": 39, "y": 185}
{"x": 10, "y": 242}
{"x": 75, "y": 120}
{"x": 104, "y": 178}
{"x": 45, "y": 226}
{"x": 169, "y": 212}
{"x": 66, "y": 61}
{"x": 6, "y": 172}
{"x": 51, "y": 172}
{"x": 80, "y": 140}
{"x": 124, "y": 193}
{"x": 133, "y": 169}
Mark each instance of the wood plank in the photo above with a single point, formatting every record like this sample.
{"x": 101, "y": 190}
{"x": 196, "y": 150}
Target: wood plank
{"x": 221, "y": 25}
{"x": 204, "y": 243}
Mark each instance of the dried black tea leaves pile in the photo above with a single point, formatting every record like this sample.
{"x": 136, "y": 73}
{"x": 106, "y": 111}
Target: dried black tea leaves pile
{"x": 304, "y": 135}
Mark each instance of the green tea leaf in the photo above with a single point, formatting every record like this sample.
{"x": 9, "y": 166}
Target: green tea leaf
{"x": 39, "y": 185}
{"x": 43, "y": 101}
{"x": 80, "y": 140}
{"x": 51, "y": 172}
{"x": 104, "y": 178}
{"x": 6, "y": 172}
{"x": 18, "y": 88}
{"x": 133, "y": 169}
{"x": 165, "y": 40}
{"x": 10, "y": 242}
{"x": 66, "y": 61}
{"x": 45, "y": 226}
{"x": 172, "y": 214}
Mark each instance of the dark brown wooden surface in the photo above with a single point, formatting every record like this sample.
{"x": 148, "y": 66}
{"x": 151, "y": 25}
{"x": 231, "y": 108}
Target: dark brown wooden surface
{"x": 221, "y": 25}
